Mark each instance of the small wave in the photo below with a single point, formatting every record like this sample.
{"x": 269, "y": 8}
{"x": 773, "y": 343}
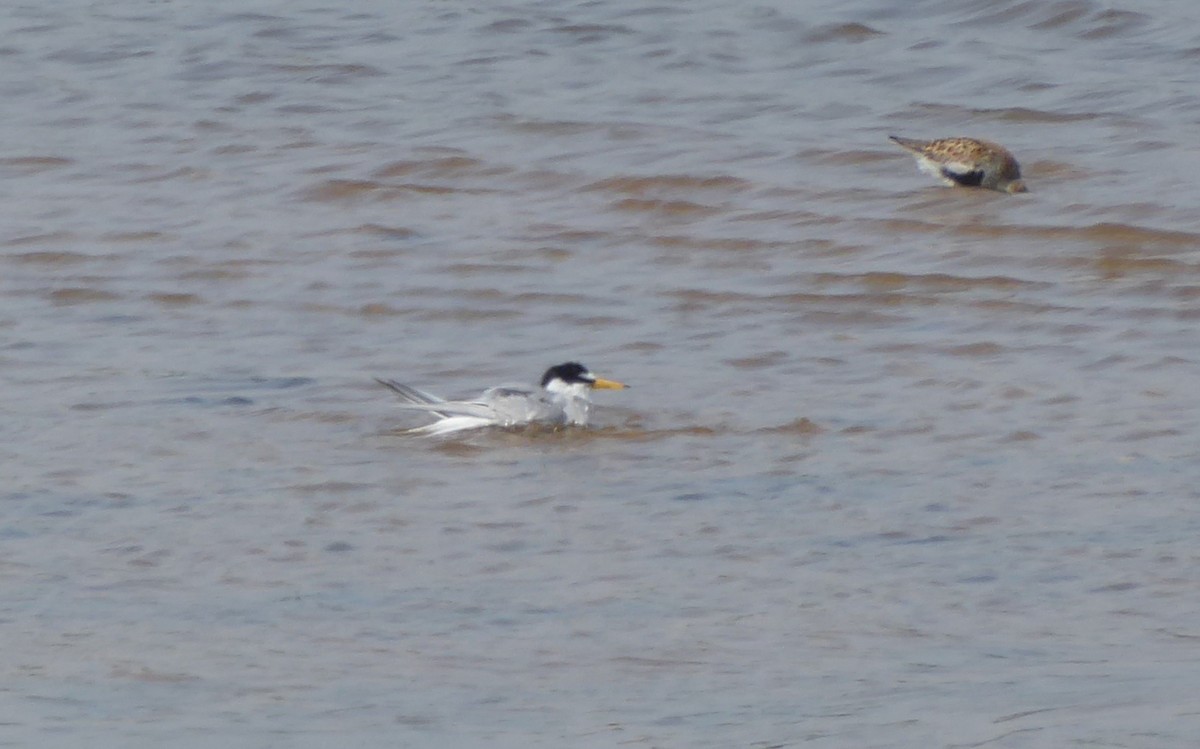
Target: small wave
{"x": 935, "y": 281}
{"x": 1007, "y": 114}
{"x": 1103, "y": 233}
{"x": 344, "y": 190}
{"x": 666, "y": 182}
{"x": 440, "y": 167}
{"x": 171, "y": 299}
{"x": 759, "y": 361}
{"x": 35, "y": 164}
{"x": 50, "y": 258}
{"x": 669, "y": 207}
{"x": 976, "y": 350}
{"x": 122, "y": 237}
{"x": 327, "y": 73}
{"x": 730, "y": 245}
{"x": 82, "y": 295}
{"x": 384, "y": 232}
{"x": 843, "y": 32}
{"x": 583, "y": 33}
{"x": 468, "y": 315}
{"x": 802, "y": 426}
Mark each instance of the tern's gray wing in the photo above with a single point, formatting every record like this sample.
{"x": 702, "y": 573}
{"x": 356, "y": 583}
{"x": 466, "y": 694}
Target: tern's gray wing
{"x": 411, "y": 397}
{"x": 419, "y": 400}
{"x": 500, "y": 406}
{"x": 409, "y": 393}
{"x": 521, "y": 405}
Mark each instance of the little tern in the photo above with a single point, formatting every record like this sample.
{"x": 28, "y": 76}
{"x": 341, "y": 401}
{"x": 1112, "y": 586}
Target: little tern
{"x": 562, "y": 398}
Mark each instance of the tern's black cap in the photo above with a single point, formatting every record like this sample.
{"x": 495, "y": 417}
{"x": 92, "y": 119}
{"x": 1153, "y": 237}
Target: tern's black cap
{"x": 570, "y": 372}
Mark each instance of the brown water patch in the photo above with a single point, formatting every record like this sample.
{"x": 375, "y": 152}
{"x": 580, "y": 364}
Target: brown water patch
{"x": 894, "y": 299}
{"x": 761, "y": 361}
{"x": 548, "y": 127}
{"x": 174, "y": 300}
{"x": 858, "y": 429}
{"x": 934, "y": 281}
{"x": 1127, "y": 234}
{"x": 1148, "y": 434}
{"x": 981, "y": 349}
{"x": 234, "y": 150}
{"x": 1046, "y": 169}
{"x": 345, "y": 190}
{"x": 453, "y": 447}
{"x": 228, "y": 272}
{"x": 469, "y": 315}
{"x": 447, "y": 166}
{"x": 697, "y": 243}
{"x": 377, "y": 309}
{"x": 665, "y": 182}
{"x": 545, "y": 297}
{"x": 565, "y": 234}
{"x": 643, "y": 346}
{"x": 1021, "y": 436}
{"x": 669, "y": 207}
{"x": 1014, "y": 307}
{"x": 47, "y": 238}
{"x": 596, "y": 321}
{"x": 81, "y": 295}
{"x": 853, "y": 157}
{"x": 1104, "y": 233}
{"x": 1121, "y": 263}
{"x": 386, "y": 232}
{"x": 484, "y": 269}
{"x": 843, "y": 32}
{"x": 645, "y": 435}
{"x": 470, "y": 444}
{"x": 186, "y": 172}
{"x": 702, "y": 299}
{"x": 146, "y": 675}
{"x": 801, "y": 426}
{"x": 133, "y": 236}
{"x": 35, "y": 164}
{"x": 50, "y": 258}
{"x": 952, "y": 112}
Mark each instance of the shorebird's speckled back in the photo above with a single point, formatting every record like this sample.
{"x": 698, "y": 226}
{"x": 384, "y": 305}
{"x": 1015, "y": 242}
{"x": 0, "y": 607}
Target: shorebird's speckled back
{"x": 967, "y": 161}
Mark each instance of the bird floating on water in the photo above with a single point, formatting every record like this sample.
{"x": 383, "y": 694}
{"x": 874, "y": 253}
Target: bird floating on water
{"x": 967, "y": 162}
{"x": 563, "y": 397}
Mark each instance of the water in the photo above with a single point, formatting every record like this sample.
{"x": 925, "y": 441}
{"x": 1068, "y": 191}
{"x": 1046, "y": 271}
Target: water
{"x": 901, "y": 465}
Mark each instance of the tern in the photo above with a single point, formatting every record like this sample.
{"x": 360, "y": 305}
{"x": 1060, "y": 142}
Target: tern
{"x": 563, "y": 397}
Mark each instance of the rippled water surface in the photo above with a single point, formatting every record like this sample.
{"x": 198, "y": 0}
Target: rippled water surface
{"x": 902, "y": 465}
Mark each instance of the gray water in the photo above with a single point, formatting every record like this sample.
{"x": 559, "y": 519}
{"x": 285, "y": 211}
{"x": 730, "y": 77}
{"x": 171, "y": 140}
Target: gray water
{"x": 901, "y": 466}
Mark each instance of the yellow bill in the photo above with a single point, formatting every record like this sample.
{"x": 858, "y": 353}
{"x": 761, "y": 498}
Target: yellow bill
{"x": 603, "y": 384}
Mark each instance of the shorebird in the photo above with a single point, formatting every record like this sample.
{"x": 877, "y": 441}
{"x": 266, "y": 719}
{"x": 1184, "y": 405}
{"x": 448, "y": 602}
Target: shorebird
{"x": 967, "y": 162}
